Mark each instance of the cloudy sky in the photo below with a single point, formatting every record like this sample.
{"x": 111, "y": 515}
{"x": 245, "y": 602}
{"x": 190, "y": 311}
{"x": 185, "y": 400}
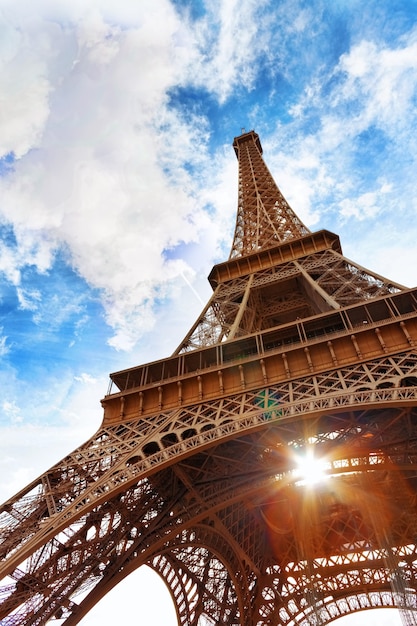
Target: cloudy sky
{"x": 118, "y": 183}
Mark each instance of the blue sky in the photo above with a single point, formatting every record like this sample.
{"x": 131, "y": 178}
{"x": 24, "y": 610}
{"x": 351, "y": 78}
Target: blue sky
{"x": 118, "y": 182}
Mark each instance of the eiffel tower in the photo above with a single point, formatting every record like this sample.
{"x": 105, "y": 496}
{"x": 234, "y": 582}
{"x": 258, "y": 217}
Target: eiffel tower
{"x": 196, "y": 470}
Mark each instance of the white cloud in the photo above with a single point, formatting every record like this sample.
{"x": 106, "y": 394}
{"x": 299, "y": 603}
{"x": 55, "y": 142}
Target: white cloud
{"x": 372, "y": 85}
{"x": 12, "y": 412}
{"x": 85, "y": 378}
{"x": 24, "y": 91}
{"x": 9, "y": 265}
{"x": 320, "y": 158}
{"x": 4, "y": 348}
{"x": 28, "y": 299}
{"x": 230, "y": 38}
{"x": 94, "y": 175}
{"x": 365, "y": 206}
{"x": 384, "y": 79}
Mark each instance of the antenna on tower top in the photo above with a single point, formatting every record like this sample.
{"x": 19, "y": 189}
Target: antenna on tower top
{"x": 242, "y": 130}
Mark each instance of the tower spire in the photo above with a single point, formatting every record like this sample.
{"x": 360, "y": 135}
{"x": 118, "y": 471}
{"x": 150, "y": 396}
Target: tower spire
{"x": 264, "y": 217}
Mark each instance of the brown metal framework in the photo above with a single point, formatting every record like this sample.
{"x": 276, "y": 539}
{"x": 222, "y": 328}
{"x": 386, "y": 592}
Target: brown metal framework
{"x": 194, "y": 470}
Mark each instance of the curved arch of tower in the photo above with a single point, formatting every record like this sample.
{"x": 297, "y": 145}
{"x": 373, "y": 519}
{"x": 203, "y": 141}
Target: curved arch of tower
{"x": 195, "y": 471}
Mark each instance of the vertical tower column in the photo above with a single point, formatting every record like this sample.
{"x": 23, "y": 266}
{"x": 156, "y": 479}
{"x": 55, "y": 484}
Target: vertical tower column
{"x": 264, "y": 217}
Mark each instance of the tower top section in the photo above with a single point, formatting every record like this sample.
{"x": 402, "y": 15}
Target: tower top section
{"x": 264, "y": 217}
{"x": 250, "y": 136}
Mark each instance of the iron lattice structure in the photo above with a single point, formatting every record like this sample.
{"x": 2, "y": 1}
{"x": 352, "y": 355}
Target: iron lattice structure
{"x": 194, "y": 469}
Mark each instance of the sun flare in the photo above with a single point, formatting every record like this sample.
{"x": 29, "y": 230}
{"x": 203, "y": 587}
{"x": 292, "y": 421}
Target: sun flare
{"x": 311, "y": 470}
